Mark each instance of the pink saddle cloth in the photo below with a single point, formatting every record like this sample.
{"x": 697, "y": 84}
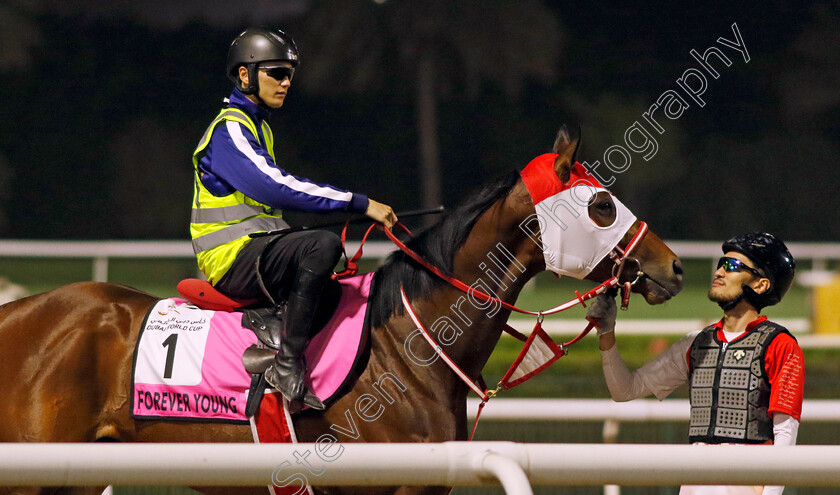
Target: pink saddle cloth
{"x": 188, "y": 360}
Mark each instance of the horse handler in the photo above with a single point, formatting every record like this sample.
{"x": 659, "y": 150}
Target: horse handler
{"x": 240, "y": 190}
{"x": 746, "y": 373}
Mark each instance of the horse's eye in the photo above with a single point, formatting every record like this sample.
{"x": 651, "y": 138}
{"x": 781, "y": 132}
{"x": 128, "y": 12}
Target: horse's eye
{"x": 605, "y": 205}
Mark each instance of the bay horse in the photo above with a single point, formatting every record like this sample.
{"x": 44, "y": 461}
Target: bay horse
{"x": 66, "y": 355}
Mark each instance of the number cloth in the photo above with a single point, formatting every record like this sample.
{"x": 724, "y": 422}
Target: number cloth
{"x": 188, "y": 361}
{"x": 189, "y": 369}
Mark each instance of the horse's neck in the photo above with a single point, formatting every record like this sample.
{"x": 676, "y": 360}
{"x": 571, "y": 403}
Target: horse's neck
{"x": 496, "y": 259}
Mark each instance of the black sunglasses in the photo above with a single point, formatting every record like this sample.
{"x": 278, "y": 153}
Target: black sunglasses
{"x": 734, "y": 265}
{"x": 279, "y": 73}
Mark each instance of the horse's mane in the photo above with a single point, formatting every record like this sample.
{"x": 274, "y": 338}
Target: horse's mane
{"x": 437, "y": 245}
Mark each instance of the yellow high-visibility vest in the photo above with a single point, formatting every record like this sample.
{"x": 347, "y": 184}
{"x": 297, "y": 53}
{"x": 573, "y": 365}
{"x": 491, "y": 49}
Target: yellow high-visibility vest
{"x": 219, "y": 225}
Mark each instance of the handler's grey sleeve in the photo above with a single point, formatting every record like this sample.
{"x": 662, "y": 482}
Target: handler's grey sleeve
{"x": 659, "y": 377}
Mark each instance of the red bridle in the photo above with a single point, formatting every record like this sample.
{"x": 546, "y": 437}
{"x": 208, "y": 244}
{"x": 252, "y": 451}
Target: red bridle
{"x": 619, "y": 256}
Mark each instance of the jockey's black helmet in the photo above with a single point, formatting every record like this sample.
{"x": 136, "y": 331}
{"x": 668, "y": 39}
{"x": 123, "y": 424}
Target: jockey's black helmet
{"x": 255, "y": 45}
{"x": 772, "y": 258}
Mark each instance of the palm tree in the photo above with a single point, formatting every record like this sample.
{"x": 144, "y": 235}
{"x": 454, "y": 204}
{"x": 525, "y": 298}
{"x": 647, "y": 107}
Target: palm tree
{"x": 809, "y": 76}
{"x": 439, "y": 44}
{"x": 19, "y": 34}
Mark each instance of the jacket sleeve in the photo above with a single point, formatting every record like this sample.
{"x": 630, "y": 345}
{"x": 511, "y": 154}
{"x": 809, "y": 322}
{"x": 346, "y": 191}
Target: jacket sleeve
{"x": 785, "y": 367}
{"x": 659, "y": 377}
{"x": 238, "y": 159}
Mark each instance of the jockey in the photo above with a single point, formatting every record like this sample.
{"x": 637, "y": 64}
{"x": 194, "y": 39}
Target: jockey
{"x": 240, "y": 189}
{"x": 746, "y": 373}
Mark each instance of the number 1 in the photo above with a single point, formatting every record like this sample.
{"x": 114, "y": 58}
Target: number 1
{"x": 169, "y": 343}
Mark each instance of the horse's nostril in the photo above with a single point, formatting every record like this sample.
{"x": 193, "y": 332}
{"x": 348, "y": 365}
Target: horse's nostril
{"x": 678, "y": 269}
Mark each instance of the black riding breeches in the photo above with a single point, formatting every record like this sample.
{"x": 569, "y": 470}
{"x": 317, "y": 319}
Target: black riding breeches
{"x": 280, "y": 258}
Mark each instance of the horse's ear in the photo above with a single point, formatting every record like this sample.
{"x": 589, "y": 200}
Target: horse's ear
{"x": 562, "y": 140}
{"x": 576, "y": 137}
{"x": 565, "y": 145}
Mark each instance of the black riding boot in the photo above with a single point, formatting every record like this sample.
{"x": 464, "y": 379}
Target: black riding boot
{"x": 286, "y": 374}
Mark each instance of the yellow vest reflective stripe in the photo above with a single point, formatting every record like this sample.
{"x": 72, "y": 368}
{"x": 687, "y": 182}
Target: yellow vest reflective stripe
{"x": 219, "y": 225}
{"x": 224, "y": 213}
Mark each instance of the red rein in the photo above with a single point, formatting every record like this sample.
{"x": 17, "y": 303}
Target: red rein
{"x": 508, "y": 381}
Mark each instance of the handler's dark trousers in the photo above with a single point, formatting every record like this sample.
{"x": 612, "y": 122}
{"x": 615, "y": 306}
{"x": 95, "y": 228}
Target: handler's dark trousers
{"x": 295, "y": 267}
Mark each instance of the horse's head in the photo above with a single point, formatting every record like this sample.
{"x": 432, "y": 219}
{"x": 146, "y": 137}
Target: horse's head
{"x": 582, "y": 226}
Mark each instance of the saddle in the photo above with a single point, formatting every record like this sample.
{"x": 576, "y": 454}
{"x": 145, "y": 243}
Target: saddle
{"x": 257, "y": 358}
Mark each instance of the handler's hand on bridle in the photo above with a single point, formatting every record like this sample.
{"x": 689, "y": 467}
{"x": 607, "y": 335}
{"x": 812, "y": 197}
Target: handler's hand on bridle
{"x": 382, "y": 213}
{"x": 603, "y": 309}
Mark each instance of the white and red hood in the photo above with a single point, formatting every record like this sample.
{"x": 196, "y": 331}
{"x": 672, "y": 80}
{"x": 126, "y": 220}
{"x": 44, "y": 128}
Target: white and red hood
{"x": 572, "y": 243}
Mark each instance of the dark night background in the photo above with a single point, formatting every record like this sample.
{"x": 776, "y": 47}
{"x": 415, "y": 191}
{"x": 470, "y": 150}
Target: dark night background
{"x": 103, "y": 104}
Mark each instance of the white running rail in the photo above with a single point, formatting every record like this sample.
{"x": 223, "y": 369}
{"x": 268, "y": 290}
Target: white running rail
{"x": 101, "y": 251}
{"x": 637, "y": 411}
{"x": 449, "y": 463}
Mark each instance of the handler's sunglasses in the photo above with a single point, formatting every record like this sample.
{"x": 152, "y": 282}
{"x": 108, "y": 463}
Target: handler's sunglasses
{"x": 280, "y": 72}
{"x": 734, "y": 265}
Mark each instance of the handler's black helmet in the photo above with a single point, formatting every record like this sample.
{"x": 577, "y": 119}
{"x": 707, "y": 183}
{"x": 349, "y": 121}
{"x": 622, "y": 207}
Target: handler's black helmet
{"x": 772, "y": 257}
{"x": 255, "y": 45}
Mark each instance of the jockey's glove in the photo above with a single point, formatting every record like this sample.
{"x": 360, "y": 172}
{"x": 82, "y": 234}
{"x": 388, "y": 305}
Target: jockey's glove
{"x": 602, "y": 310}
